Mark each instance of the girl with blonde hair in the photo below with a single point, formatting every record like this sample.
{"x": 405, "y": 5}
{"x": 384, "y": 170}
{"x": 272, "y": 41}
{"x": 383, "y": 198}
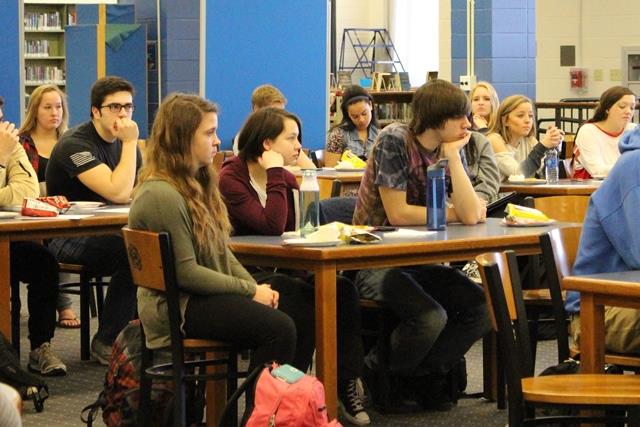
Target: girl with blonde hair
{"x": 484, "y": 106}
{"x": 46, "y": 120}
{"x": 512, "y": 137}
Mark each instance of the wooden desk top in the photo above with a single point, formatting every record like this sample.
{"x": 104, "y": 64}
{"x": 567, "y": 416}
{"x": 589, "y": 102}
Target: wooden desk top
{"x": 625, "y": 283}
{"x": 563, "y": 188}
{"x": 457, "y": 242}
{"x": 14, "y": 229}
{"x": 29, "y": 229}
{"x": 344, "y": 176}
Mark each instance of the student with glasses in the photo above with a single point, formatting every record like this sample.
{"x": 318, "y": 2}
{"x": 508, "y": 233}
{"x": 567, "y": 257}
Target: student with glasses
{"x": 98, "y": 161}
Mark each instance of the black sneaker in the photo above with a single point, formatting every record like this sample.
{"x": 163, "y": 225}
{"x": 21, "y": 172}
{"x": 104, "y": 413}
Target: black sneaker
{"x": 350, "y": 403}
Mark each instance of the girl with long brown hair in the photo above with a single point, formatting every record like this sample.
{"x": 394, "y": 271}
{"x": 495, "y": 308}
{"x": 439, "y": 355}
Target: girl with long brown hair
{"x": 178, "y": 193}
{"x": 596, "y": 149}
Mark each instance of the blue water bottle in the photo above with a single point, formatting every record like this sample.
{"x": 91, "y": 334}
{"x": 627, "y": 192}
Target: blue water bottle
{"x": 437, "y": 196}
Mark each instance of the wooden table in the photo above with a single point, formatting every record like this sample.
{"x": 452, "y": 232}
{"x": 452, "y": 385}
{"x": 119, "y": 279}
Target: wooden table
{"x": 563, "y": 188}
{"x": 621, "y": 289}
{"x": 20, "y": 230}
{"x": 457, "y": 243}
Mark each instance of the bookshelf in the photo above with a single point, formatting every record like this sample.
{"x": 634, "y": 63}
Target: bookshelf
{"x": 43, "y": 44}
{"x": 392, "y": 106}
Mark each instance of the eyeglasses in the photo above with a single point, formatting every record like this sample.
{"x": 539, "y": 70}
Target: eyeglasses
{"x": 115, "y": 107}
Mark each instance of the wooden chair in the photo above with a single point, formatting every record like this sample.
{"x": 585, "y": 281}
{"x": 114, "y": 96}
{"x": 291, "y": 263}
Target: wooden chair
{"x": 501, "y": 281}
{"x": 218, "y": 159}
{"x": 89, "y": 301}
{"x": 559, "y": 250}
{"x": 342, "y": 189}
{"x": 317, "y": 157}
{"x": 152, "y": 267}
{"x": 560, "y": 208}
{"x": 563, "y": 208}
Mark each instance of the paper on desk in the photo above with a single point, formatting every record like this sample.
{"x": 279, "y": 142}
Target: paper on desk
{"x": 65, "y": 216}
{"x": 116, "y": 210}
{"x": 407, "y": 232}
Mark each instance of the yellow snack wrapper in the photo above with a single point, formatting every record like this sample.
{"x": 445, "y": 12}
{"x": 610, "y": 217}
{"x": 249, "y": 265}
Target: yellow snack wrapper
{"x": 517, "y": 213}
{"x": 355, "y": 161}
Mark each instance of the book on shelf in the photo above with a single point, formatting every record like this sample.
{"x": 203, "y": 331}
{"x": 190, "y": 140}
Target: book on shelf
{"x": 344, "y": 79}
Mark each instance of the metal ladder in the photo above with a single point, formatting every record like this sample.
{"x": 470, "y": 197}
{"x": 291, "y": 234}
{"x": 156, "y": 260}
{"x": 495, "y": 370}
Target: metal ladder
{"x": 369, "y": 44}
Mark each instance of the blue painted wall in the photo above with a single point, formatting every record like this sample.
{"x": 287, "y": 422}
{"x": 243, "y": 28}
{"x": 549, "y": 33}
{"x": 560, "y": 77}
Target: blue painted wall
{"x": 249, "y": 43}
{"x": 180, "y": 34}
{"x": 129, "y": 61}
{"x": 505, "y": 44}
{"x": 9, "y": 59}
{"x": 82, "y": 71}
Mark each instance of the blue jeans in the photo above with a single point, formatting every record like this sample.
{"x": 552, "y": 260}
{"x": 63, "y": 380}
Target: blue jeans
{"x": 105, "y": 255}
{"x": 440, "y": 314}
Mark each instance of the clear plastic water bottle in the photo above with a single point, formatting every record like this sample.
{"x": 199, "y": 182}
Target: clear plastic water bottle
{"x": 437, "y": 196}
{"x": 309, "y": 202}
{"x": 551, "y": 166}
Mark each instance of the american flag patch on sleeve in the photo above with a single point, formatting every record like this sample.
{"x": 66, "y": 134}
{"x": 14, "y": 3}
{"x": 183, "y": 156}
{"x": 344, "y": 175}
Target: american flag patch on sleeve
{"x": 82, "y": 158}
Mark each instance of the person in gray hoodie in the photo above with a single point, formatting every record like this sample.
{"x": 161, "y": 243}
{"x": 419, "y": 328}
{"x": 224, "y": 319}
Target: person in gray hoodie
{"x": 610, "y": 242}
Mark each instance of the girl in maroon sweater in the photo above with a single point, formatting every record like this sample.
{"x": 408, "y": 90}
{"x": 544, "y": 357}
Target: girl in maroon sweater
{"x": 261, "y": 197}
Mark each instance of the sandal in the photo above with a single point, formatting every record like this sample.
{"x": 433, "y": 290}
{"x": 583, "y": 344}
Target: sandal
{"x": 71, "y": 322}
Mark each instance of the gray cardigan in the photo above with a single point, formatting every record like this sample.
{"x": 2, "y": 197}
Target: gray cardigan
{"x": 483, "y": 168}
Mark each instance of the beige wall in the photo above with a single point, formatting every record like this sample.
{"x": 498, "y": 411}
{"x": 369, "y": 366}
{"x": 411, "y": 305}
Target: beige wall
{"x": 358, "y": 14}
{"x": 445, "y": 39}
{"x": 598, "y": 29}
{"x": 374, "y": 13}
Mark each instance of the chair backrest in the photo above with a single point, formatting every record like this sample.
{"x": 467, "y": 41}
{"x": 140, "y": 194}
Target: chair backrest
{"x": 152, "y": 266}
{"x": 501, "y": 282}
{"x": 336, "y": 188}
{"x": 563, "y": 208}
{"x": 559, "y": 250}
{"x": 218, "y": 159}
{"x": 317, "y": 157}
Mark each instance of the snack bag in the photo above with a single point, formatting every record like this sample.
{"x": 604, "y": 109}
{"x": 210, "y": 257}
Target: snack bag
{"x": 350, "y": 160}
{"x": 34, "y": 207}
{"x": 59, "y": 202}
{"x": 45, "y": 206}
{"x": 517, "y": 214}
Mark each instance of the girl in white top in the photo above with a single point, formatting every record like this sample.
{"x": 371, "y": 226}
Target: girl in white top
{"x": 596, "y": 149}
{"x": 517, "y": 150}
{"x": 484, "y": 106}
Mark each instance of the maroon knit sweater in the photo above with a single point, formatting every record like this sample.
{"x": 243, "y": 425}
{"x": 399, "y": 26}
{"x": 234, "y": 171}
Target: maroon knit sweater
{"x": 245, "y": 211}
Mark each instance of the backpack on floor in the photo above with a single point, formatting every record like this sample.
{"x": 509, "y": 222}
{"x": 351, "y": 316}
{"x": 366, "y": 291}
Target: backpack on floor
{"x": 119, "y": 399}
{"x": 290, "y": 399}
{"x": 30, "y": 387}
